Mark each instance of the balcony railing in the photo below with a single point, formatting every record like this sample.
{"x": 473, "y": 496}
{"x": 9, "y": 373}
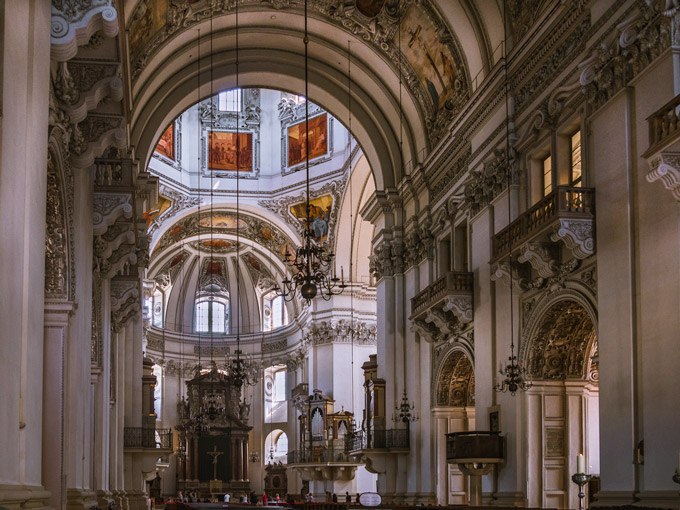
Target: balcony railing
{"x": 452, "y": 283}
{"x": 664, "y": 126}
{"x": 378, "y": 440}
{"x": 564, "y": 202}
{"x": 320, "y": 456}
{"x": 138, "y": 437}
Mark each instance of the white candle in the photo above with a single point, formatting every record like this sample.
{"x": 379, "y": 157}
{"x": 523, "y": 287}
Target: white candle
{"x": 580, "y": 463}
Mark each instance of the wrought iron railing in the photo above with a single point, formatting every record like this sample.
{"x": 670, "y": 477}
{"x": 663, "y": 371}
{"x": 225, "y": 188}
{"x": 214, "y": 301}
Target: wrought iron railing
{"x": 139, "y": 437}
{"x": 563, "y": 202}
{"x": 319, "y": 456}
{"x": 452, "y": 282}
{"x": 377, "y": 440}
{"x": 664, "y": 125}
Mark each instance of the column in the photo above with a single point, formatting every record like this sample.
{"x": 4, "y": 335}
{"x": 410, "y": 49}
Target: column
{"x": 245, "y": 459}
{"x": 25, "y": 44}
{"x": 234, "y": 468}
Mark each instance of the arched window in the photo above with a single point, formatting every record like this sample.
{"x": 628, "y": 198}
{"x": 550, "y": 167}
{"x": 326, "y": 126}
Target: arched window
{"x": 276, "y": 447}
{"x": 212, "y": 315}
{"x": 275, "y": 312}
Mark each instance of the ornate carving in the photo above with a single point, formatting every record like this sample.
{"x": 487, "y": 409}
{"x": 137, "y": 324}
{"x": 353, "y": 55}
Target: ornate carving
{"x": 381, "y": 262}
{"x": 459, "y": 306}
{"x": 485, "y": 185}
{"x": 109, "y": 207}
{"x": 502, "y": 271}
{"x": 665, "y": 167}
{"x": 74, "y": 22}
{"x": 57, "y": 267}
{"x": 577, "y": 235}
{"x": 282, "y": 206}
{"x": 340, "y": 331}
{"x": 125, "y": 303}
{"x": 277, "y": 345}
{"x": 638, "y": 41}
{"x": 542, "y": 257}
{"x": 180, "y": 201}
{"x": 562, "y": 342}
{"x": 95, "y": 134}
{"x": 455, "y": 383}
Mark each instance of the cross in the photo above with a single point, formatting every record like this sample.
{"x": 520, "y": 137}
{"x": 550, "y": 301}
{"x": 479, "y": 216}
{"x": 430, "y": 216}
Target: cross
{"x": 214, "y": 454}
{"x": 415, "y": 36}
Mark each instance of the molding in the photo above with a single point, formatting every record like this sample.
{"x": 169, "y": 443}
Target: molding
{"x": 665, "y": 167}
{"x": 74, "y": 22}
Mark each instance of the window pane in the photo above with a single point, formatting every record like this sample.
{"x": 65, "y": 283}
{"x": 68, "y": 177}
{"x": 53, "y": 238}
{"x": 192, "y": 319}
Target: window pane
{"x": 202, "y": 316}
{"x": 229, "y": 101}
{"x": 547, "y": 176}
{"x": 576, "y": 159}
{"x": 277, "y": 312}
{"x": 280, "y": 386}
{"x": 217, "y": 317}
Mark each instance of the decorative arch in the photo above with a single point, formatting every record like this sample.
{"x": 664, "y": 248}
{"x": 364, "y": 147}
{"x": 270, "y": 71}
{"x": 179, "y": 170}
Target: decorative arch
{"x": 561, "y": 338}
{"x": 59, "y": 262}
{"x": 455, "y": 381}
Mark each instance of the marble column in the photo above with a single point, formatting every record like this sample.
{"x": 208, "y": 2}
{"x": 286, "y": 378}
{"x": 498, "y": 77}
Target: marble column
{"x": 24, "y": 90}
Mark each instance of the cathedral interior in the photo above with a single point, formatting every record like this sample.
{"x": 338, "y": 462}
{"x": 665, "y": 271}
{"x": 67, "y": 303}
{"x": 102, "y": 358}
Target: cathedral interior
{"x": 422, "y": 252}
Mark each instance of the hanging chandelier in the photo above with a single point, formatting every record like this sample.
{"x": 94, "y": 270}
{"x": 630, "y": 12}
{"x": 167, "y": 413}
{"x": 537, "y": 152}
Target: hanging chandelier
{"x": 515, "y": 376}
{"x": 311, "y": 266}
{"x": 405, "y": 412}
{"x": 242, "y": 369}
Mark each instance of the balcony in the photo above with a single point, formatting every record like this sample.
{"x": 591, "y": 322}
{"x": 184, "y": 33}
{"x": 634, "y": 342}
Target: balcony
{"x": 393, "y": 440}
{"x": 140, "y": 438}
{"x": 663, "y": 155}
{"x": 444, "y": 307}
{"x": 323, "y": 463}
{"x": 567, "y": 215}
{"x": 299, "y": 394}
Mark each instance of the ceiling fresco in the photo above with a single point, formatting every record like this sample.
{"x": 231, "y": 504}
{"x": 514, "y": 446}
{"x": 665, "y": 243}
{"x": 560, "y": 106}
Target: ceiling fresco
{"x": 430, "y": 61}
{"x": 224, "y": 222}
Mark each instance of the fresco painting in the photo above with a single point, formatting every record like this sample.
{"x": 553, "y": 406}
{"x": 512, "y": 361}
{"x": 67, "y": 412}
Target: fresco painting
{"x": 318, "y": 140}
{"x": 222, "y": 151}
{"x": 162, "y": 206}
{"x": 221, "y": 221}
{"x": 148, "y": 21}
{"x": 166, "y": 145}
{"x": 319, "y": 215}
{"x": 216, "y": 243}
{"x": 431, "y": 59}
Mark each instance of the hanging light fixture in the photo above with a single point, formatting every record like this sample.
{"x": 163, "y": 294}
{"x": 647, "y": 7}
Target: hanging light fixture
{"x": 242, "y": 369}
{"x": 312, "y": 266}
{"x": 405, "y": 412}
{"x": 515, "y": 376}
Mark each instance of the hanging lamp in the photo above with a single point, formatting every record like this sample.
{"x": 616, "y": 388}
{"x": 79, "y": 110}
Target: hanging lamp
{"x": 312, "y": 265}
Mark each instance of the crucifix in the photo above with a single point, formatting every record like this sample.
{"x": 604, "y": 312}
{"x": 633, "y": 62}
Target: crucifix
{"x": 214, "y": 454}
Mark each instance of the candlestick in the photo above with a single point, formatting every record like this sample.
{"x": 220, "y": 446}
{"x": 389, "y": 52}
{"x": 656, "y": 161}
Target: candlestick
{"x": 581, "y": 479}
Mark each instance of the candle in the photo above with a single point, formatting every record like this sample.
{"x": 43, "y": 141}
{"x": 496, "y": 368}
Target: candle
{"x": 580, "y": 464}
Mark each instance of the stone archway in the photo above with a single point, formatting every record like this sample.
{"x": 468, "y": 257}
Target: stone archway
{"x": 454, "y": 411}
{"x": 562, "y": 406}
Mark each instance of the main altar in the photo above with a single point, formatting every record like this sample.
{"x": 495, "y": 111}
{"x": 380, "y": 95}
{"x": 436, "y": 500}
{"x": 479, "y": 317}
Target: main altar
{"x": 213, "y": 437}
